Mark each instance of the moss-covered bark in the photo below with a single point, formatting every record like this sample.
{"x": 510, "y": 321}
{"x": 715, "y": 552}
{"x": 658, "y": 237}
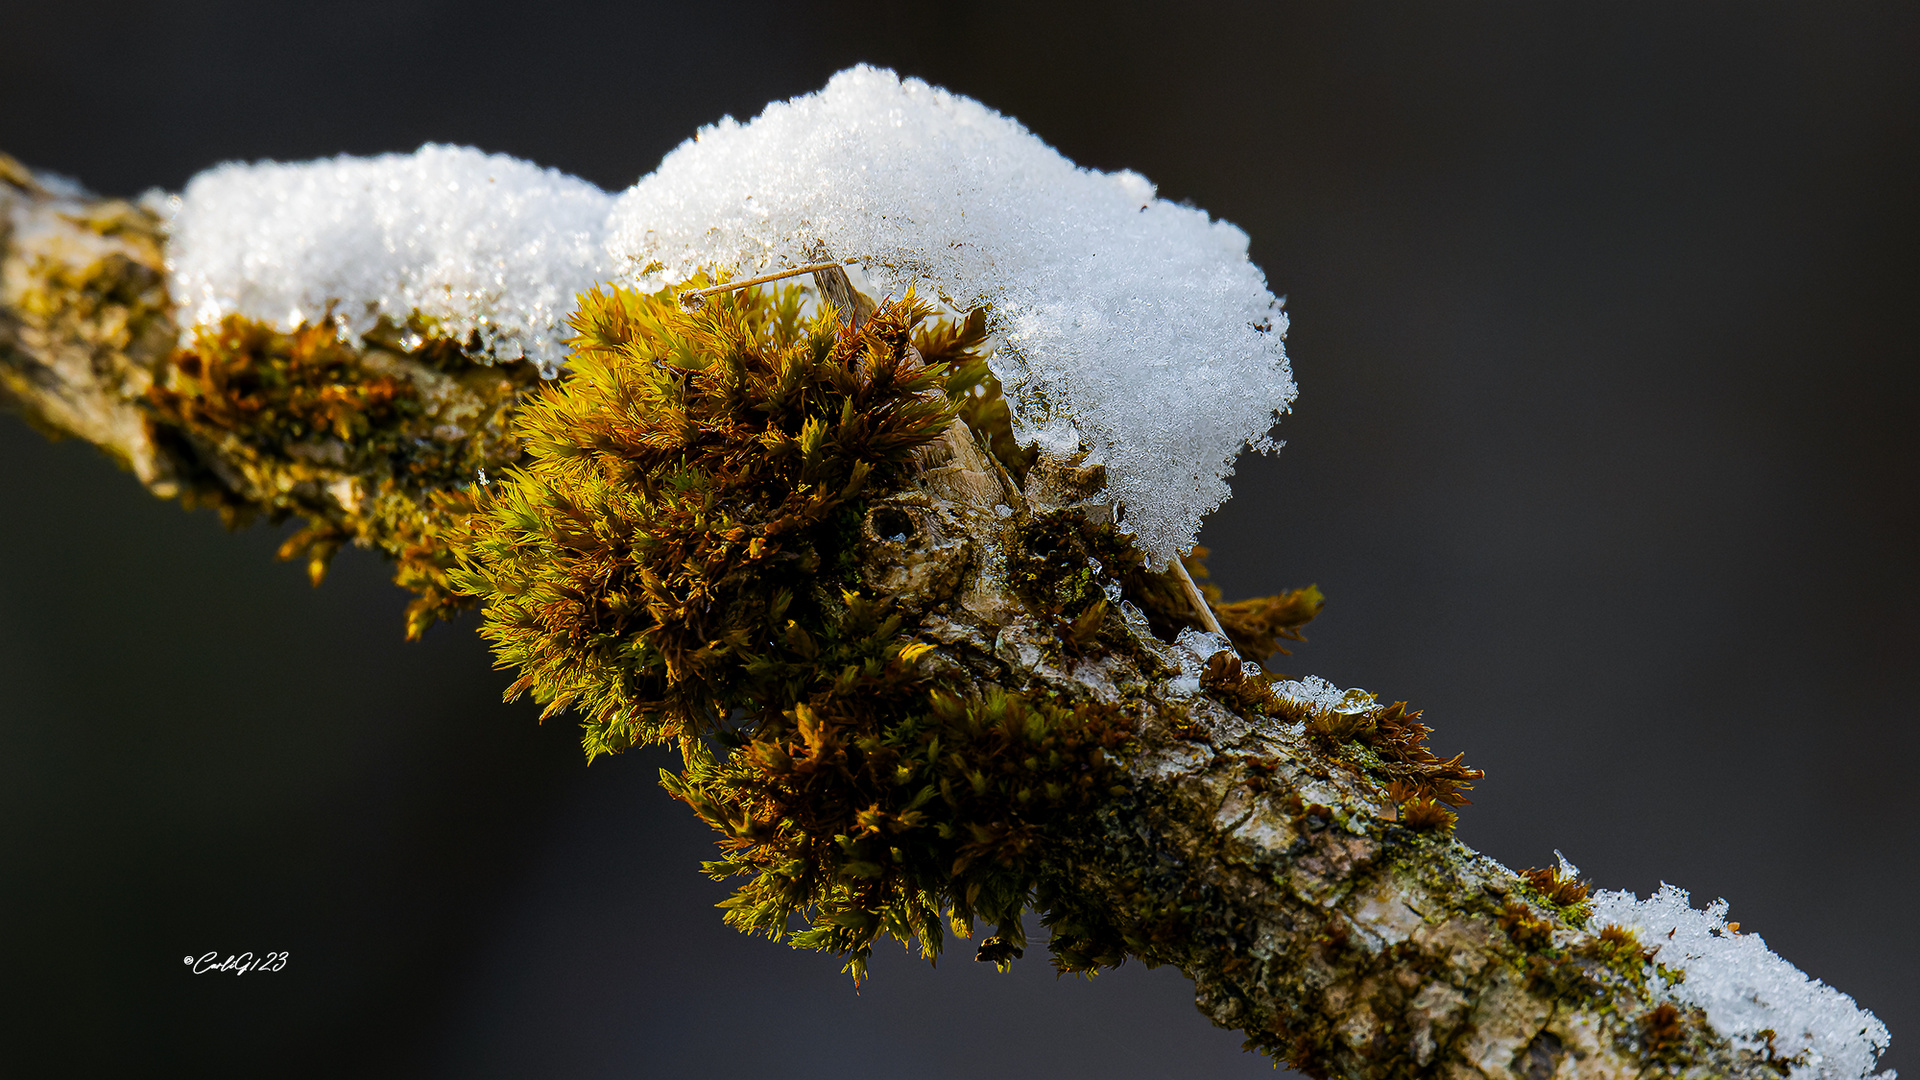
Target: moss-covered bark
{"x": 1272, "y": 851}
{"x": 372, "y": 443}
{"x": 1296, "y": 862}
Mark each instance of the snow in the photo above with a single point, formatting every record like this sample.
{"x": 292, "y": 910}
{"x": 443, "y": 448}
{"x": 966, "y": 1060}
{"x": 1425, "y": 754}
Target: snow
{"x": 1745, "y": 988}
{"x": 1130, "y": 326}
{"x": 478, "y": 242}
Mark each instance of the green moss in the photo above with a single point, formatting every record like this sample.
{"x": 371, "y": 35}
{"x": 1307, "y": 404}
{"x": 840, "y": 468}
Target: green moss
{"x": 676, "y": 561}
{"x": 1564, "y": 893}
{"x": 675, "y": 546}
{"x": 1060, "y": 562}
{"x": 110, "y": 304}
{"x": 1389, "y": 744}
{"x": 971, "y": 383}
{"x": 1527, "y": 930}
{"x": 372, "y": 443}
{"x": 1256, "y": 625}
{"x": 1621, "y": 952}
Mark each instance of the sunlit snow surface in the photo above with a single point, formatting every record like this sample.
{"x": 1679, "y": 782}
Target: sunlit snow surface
{"x": 478, "y": 242}
{"x": 1131, "y": 325}
{"x": 1746, "y": 989}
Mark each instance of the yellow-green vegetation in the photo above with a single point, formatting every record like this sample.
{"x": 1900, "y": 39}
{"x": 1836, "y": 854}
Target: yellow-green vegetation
{"x": 676, "y": 561}
{"x": 375, "y": 443}
{"x": 84, "y": 317}
{"x": 669, "y": 542}
{"x": 1257, "y": 625}
{"x": 1389, "y": 744}
{"x": 677, "y": 545}
{"x": 116, "y": 302}
{"x": 1567, "y": 893}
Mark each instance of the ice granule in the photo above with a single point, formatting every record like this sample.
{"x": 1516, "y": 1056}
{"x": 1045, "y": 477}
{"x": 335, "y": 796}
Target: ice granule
{"x": 478, "y": 242}
{"x": 1191, "y": 650}
{"x": 1746, "y": 989}
{"x": 1317, "y": 692}
{"x": 1130, "y": 326}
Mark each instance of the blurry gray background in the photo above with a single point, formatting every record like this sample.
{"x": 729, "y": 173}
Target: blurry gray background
{"x": 1605, "y": 455}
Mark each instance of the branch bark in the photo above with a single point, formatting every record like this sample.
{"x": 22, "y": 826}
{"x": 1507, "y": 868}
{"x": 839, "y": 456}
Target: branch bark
{"x": 1257, "y": 844}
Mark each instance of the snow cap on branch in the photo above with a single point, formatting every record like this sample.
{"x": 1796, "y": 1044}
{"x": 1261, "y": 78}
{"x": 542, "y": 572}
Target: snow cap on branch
{"x": 476, "y": 242}
{"x": 1130, "y": 326}
{"x": 1746, "y": 989}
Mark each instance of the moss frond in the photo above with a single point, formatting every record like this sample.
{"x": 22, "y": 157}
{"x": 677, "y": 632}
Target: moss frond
{"x": 1390, "y": 742}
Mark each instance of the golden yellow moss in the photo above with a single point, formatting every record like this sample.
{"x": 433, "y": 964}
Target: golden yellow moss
{"x": 373, "y": 443}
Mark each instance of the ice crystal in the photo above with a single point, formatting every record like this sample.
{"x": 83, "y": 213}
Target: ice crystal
{"x": 1130, "y": 326}
{"x": 1318, "y": 692}
{"x": 1191, "y": 650}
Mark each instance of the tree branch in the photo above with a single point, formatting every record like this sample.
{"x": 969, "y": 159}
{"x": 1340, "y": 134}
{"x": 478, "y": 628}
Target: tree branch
{"x": 1291, "y": 855}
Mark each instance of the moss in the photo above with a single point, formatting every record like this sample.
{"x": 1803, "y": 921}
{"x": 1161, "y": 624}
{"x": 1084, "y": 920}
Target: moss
{"x": 676, "y": 545}
{"x": 675, "y": 561}
{"x": 870, "y": 813}
{"x": 84, "y": 321}
{"x": 1620, "y": 950}
{"x": 974, "y": 389}
{"x": 1564, "y": 892}
{"x": 114, "y": 303}
{"x": 1257, "y": 625}
{"x": 1663, "y": 1032}
{"x": 1423, "y": 814}
{"x": 375, "y": 443}
{"x": 1528, "y": 931}
{"x": 1061, "y": 562}
{"x": 1389, "y": 744}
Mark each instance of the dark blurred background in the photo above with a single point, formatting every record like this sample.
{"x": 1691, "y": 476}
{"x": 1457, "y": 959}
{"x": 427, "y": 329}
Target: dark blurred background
{"x": 1605, "y": 454}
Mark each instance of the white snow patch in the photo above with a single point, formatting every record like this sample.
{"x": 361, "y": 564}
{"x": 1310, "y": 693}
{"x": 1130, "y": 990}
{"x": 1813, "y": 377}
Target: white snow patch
{"x": 480, "y": 242}
{"x": 1132, "y": 326}
{"x": 1745, "y": 988}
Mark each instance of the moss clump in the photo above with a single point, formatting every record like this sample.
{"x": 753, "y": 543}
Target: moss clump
{"x": 1528, "y": 931}
{"x": 1064, "y": 565}
{"x": 373, "y": 443}
{"x": 1061, "y": 561}
{"x": 675, "y": 560}
{"x": 1389, "y": 743}
{"x": 1256, "y": 626}
{"x": 887, "y": 803}
{"x": 1567, "y": 893}
{"x": 974, "y": 389}
{"x": 671, "y": 556}
{"x": 1620, "y": 951}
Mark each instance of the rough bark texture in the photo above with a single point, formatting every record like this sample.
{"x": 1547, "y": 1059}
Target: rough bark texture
{"x": 1273, "y": 869}
{"x": 1263, "y": 855}
{"x": 84, "y": 318}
